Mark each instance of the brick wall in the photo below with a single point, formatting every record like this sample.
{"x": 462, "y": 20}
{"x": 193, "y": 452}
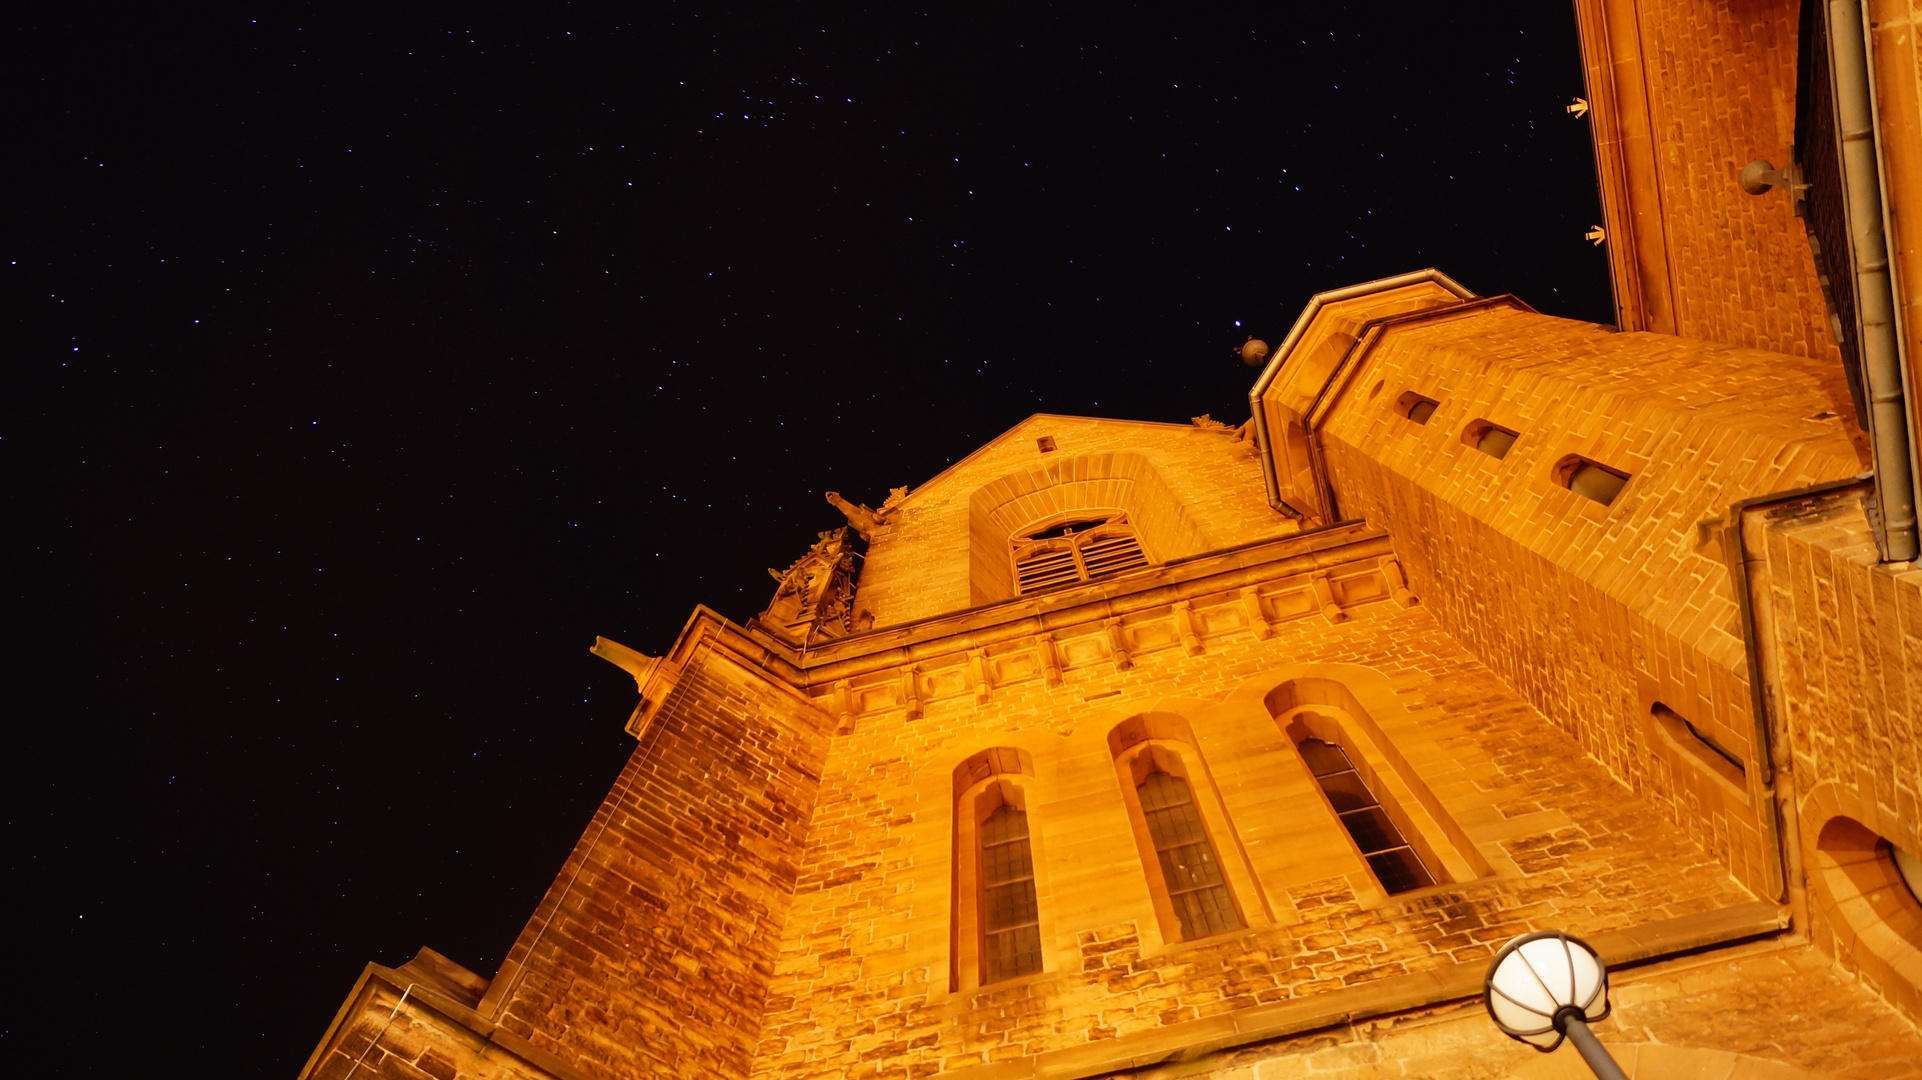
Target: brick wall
{"x": 1765, "y": 1014}
{"x": 1593, "y": 611}
{"x": 651, "y": 952}
{"x": 1721, "y": 80}
{"x": 1842, "y": 648}
{"x": 918, "y": 566}
{"x": 1714, "y": 88}
{"x": 862, "y": 983}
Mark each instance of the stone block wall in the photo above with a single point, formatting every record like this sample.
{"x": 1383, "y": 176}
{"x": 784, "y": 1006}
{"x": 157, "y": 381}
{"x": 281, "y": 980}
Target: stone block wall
{"x": 1762, "y": 1013}
{"x": 652, "y": 951}
{"x": 1695, "y": 91}
{"x": 864, "y": 985}
{"x": 1842, "y": 646}
{"x": 1594, "y": 611}
{"x": 406, "y": 1024}
{"x": 922, "y": 563}
{"x": 1721, "y": 93}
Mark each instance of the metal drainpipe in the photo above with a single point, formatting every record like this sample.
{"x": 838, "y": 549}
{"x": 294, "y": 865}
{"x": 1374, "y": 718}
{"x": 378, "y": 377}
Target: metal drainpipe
{"x": 1874, "y": 289}
{"x": 1770, "y": 756}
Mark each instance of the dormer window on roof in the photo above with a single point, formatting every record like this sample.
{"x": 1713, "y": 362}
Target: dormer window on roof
{"x": 1081, "y": 549}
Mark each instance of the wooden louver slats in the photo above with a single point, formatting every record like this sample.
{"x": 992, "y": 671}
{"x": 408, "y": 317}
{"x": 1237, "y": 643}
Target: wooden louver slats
{"x": 1112, "y": 554}
{"x": 1076, "y": 551}
{"x": 1045, "y": 567}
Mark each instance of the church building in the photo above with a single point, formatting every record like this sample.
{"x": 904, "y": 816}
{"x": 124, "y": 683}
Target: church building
{"x": 1150, "y": 750}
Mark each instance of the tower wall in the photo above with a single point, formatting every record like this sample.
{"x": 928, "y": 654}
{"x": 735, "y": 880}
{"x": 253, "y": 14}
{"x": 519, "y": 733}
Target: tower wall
{"x": 1684, "y": 95}
{"x": 652, "y": 951}
{"x": 928, "y": 560}
{"x": 1840, "y": 643}
{"x": 1596, "y": 612}
{"x": 867, "y": 983}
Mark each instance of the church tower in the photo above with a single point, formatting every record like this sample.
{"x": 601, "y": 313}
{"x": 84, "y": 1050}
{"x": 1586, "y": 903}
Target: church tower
{"x": 1133, "y": 748}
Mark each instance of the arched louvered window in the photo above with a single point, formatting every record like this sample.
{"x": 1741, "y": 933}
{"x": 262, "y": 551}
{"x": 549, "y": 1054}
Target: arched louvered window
{"x": 1080, "y": 550}
{"x": 1395, "y": 863}
{"x": 1010, "y": 915}
{"x": 1189, "y": 867}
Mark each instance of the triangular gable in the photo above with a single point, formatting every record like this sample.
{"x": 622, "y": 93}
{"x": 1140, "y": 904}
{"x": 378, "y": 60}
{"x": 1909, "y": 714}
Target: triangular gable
{"x": 1012, "y": 434}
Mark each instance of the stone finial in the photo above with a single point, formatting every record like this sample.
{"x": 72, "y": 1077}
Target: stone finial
{"x": 816, "y": 594}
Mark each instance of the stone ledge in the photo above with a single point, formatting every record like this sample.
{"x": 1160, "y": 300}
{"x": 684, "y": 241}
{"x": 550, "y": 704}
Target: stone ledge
{"x": 1195, "y": 1038}
{"x": 458, "y": 1016}
{"x": 1186, "y": 579}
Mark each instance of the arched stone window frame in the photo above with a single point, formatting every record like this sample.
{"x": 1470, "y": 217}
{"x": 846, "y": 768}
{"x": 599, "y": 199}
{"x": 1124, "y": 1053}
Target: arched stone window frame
{"x": 1862, "y": 912}
{"x": 1127, "y": 481}
{"x": 983, "y": 783}
{"x": 1345, "y": 704}
{"x": 1148, "y": 742}
{"x": 1318, "y": 722}
{"x": 1114, "y": 523}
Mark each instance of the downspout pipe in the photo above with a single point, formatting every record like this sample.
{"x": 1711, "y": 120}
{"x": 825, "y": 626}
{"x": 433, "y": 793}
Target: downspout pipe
{"x": 1874, "y": 286}
{"x": 1263, "y": 442}
{"x": 1770, "y": 754}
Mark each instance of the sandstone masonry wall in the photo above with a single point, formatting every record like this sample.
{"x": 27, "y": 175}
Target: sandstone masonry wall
{"x": 652, "y": 950}
{"x": 1842, "y": 644}
{"x": 1594, "y": 611}
{"x": 1773, "y": 1012}
{"x": 1721, "y": 93}
{"x": 862, "y": 986}
{"x": 918, "y": 564}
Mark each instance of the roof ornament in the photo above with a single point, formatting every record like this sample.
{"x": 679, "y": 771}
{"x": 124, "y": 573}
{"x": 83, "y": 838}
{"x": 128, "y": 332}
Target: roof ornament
{"x": 816, "y": 595}
{"x": 863, "y": 519}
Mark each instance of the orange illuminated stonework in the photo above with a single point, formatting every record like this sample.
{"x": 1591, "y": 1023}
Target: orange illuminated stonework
{"x": 1201, "y": 750}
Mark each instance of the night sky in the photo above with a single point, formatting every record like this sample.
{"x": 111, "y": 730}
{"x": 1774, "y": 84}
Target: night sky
{"x": 360, "y": 367}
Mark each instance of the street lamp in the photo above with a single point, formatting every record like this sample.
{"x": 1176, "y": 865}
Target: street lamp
{"x": 1545, "y": 985}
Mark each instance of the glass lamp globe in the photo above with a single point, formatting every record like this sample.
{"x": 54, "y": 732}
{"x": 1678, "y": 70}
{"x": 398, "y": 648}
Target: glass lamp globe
{"x": 1539, "y": 981}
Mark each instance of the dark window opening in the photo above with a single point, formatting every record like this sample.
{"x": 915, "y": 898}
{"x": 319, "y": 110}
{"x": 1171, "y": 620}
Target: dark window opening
{"x": 1717, "y": 758}
{"x": 1491, "y": 439}
{"x": 1045, "y": 443}
{"x": 1075, "y": 551}
{"x": 1065, "y": 529}
{"x": 1590, "y": 479}
{"x": 1416, "y": 407}
{"x": 1395, "y": 863}
{"x": 1010, "y": 913}
{"x": 1189, "y": 868}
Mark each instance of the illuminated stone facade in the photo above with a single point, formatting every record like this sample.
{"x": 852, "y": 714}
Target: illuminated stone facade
{"x": 1486, "y": 622}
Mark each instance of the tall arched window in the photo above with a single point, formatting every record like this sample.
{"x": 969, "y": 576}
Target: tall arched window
{"x": 999, "y": 880}
{"x": 1189, "y": 868}
{"x": 1395, "y": 863}
{"x": 1010, "y": 913}
{"x": 1082, "y": 549}
{"x": 1194, "y": 866}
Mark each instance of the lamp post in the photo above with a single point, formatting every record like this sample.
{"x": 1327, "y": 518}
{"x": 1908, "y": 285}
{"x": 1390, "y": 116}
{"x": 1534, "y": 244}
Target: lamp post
{"x": 1543, "y": 986}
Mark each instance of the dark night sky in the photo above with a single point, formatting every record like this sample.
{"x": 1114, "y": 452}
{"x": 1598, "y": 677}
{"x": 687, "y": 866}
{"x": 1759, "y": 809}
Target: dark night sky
{"x": 360, "y": 367}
